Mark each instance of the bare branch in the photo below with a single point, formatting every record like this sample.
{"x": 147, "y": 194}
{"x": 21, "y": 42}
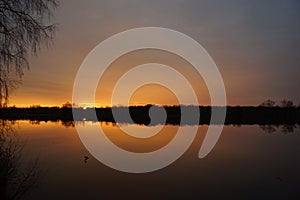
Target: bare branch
{"x": 24, "y": 26}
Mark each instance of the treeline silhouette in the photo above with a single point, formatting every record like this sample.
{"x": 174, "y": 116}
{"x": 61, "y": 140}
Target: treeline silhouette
{"x": 260, "y": 115}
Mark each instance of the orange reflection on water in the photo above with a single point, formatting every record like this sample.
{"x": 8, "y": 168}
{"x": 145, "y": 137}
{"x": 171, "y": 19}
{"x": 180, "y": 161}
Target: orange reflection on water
{"x": 139, "y": 145}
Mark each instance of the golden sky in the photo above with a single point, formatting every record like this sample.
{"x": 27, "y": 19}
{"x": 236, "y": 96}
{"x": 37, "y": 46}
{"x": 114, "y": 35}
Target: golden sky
{"x": 255, "y": 45}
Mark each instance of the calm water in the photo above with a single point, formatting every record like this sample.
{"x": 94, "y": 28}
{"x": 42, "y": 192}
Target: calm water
{"x": 248, "y": 162}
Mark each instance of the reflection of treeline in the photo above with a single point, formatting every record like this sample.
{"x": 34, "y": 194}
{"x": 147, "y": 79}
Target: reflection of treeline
{"x": 268, "y": 128}
{"x": 140, "y": 114}
{"x": 285, "y": 128}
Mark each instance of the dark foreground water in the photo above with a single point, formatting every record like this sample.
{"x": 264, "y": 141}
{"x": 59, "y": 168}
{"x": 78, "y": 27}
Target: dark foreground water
{"x": 248, "y": 162}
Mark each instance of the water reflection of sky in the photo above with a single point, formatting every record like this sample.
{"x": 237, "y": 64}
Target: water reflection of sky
{"x": 247, "y": 162}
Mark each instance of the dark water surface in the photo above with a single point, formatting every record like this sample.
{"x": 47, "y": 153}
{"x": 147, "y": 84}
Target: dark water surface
{"x": 248, "y": 162}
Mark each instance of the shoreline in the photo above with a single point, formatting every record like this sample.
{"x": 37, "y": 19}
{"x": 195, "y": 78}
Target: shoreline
{"x": 140, "y": 114}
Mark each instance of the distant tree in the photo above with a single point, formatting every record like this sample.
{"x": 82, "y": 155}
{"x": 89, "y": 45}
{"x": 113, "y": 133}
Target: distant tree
{"x": 24, "y": 24}
{"x": 75, "y": 105}
{"x": 287, "y": 103}
{"x": 67, "y": 105}
{"x": 268, "y": 103}
{"x": 35, "y": 106}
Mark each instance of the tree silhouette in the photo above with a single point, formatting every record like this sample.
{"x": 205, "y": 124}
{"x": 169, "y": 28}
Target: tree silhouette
{"x": 24, "y": 25}
{"x": 67, "y": 105}
{"x": 268, "y": 103}
{"x": 287, "y": 103}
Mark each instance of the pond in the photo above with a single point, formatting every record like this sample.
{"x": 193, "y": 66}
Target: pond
{"x": 248, "y": 162}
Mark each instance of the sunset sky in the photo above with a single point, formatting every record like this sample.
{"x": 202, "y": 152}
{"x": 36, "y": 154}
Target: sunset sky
{"x": 255, "y": 45}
